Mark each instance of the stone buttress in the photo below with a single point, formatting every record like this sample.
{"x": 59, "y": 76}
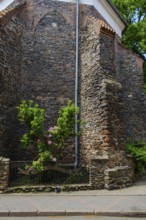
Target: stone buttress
{"x": 102, "y": 144}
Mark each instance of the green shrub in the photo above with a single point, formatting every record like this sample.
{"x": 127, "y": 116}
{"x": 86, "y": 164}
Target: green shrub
{"x": 138, "y": 151}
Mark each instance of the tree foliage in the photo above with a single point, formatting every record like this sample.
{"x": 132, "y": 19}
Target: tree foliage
{"x": 134, "y": 11}
{"x": 138, "y": 150}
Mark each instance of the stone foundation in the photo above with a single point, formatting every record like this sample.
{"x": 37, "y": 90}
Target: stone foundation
{"x": 118, "y": 177}
{"x": 97, "y": 168}
{"x": 4, "y": 172}
{"x": 109, "y": 178}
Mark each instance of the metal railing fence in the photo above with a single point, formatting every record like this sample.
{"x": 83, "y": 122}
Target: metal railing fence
{"x": 54, "y": 174}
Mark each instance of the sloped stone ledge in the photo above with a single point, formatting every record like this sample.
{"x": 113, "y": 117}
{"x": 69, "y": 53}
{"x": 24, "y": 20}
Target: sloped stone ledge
{"x": 104, "y": 177}
{"x": 118, "y": 177}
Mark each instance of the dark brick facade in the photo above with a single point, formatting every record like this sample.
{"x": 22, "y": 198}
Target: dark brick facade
{"x": 45, "y": 62}
{"x": 11, "y": 31}
{"x": 129, "y": 70}
{"x": 112, "y": 94}
{"x": 4, "y": 172}
{"x": 38, "y": 62}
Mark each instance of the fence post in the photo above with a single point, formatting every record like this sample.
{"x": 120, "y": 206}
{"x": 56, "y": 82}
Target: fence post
{"x": 4, "y": 172}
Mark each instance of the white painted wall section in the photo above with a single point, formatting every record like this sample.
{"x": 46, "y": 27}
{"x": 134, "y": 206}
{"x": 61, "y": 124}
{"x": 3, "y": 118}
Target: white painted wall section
{"x": 109, "y": 15}
{"x": 4, "y": 4}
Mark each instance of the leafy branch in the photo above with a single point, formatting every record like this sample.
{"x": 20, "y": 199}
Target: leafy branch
{"x": 48, "y": 142}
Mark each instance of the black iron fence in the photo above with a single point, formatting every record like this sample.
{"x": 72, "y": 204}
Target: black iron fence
{"x": 53, "y": 174}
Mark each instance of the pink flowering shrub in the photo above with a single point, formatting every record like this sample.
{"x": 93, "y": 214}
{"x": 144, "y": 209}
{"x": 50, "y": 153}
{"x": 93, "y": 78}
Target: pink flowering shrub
{"x": 49, "y": 142}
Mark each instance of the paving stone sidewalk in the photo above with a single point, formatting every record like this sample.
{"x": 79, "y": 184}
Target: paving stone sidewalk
{"x": 124, "y": 202}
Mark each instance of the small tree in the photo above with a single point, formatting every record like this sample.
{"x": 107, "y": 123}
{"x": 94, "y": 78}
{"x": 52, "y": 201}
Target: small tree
{"x": 49, "y": 143}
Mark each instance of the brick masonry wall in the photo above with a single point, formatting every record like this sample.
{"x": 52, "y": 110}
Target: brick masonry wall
{"x": 101, "y": 105}
{"x": 4, "y": 172}
{"x": 102, "y": 144}
{"x": 11, "y": 30}
{"x": 46, "y": 65}
{"x": 92, "y": 107}
{"x": 129, "y": 70}
{"x": 113, "y": 92}
{"x": 123, "y": 98}
{"x": 48, "y": 49}
{"x": 43, "y": 69}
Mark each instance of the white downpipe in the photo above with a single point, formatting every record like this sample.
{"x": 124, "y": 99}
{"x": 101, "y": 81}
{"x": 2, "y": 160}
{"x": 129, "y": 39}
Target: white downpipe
{"x": 76, "y": 82}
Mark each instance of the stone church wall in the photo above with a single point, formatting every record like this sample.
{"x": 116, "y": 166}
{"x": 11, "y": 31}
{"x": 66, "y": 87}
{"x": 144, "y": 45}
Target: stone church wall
{"x": 101, "y": 105}
{"x": 45, "y": 64}
{"x": 11, "y": 30}
{"x": 48, "y": 65}
{"x": 38, "y": 62}
{"x": 129, "y": 70}
{"x": 4, "y": 173}
{"x": 102, "y": 143}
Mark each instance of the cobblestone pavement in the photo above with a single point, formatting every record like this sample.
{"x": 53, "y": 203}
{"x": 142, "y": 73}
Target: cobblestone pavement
{"x": 124, "y": 202}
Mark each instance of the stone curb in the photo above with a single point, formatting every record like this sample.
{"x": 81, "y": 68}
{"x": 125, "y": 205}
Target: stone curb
{"x": 4, "y": 213}
{"x": 22, "y": 213}
{"x": 71, "y": 213}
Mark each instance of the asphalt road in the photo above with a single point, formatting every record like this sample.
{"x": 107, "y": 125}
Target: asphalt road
{"x": 71, "y": 218}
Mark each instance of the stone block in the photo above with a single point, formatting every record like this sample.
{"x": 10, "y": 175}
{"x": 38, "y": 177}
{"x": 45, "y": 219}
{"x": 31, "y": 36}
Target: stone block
{"x": 118, "y": 177}
{"x": 4, "y": 172}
